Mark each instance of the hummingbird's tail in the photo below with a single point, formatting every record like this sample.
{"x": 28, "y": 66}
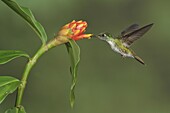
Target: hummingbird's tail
{"x": 139, "y": 60}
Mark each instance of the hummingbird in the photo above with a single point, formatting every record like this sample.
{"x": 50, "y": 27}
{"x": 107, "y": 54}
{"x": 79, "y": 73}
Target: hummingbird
{"x": 121, "y": 43}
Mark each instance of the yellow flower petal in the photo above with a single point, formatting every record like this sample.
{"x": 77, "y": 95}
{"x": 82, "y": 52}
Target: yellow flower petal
{"x": 72, "y": 26}
{"x": 73, "y": 21}
{"x": 87, "y": 35}
{"x": 80, "y": 26}
{"x": 76, "y": 32}
{"x": 80, "y": 21}
{"x": 83, "y": 29}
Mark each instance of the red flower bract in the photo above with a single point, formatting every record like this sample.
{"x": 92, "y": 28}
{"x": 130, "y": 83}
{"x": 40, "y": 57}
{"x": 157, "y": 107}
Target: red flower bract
{"x": 75, "y": 30}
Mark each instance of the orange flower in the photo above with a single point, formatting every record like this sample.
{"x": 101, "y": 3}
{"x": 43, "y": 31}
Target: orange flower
{"x": 75, "y": 30}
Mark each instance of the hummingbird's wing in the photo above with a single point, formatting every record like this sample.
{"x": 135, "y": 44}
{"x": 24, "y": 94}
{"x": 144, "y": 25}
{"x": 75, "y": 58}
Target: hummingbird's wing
{"x": 128, "y": 39}
{"x": 130, "y": 29}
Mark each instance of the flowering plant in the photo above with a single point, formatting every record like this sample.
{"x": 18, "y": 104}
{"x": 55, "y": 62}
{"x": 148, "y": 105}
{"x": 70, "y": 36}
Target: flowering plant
{"x": 68, "y": 34}
{"x": 75, "y": 30}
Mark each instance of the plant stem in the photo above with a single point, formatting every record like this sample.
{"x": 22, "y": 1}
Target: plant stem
{"x": 28, "y": 68}
{"x": 55, "y": 42}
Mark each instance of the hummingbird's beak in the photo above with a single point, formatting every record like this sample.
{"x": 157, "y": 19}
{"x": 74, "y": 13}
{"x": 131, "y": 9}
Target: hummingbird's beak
{"x": 100, "y": 36}
{"x": 97, "y": 36}
{"x": 94, "y": 36}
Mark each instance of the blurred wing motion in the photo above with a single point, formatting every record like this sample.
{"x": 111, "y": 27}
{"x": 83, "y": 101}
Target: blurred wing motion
{"x": 133, "y": 33}
{"x": 130, "y": 29}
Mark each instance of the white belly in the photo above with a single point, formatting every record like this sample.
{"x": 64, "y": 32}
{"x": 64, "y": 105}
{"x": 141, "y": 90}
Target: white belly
{"x": 116, "y": 49}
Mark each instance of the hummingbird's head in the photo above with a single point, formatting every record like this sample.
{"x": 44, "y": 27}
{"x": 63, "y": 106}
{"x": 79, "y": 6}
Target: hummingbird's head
{"x": 104, "y": 36}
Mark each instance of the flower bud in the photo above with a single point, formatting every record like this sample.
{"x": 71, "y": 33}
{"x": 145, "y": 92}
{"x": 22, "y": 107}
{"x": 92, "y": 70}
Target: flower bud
{"x": 75, "y": 30}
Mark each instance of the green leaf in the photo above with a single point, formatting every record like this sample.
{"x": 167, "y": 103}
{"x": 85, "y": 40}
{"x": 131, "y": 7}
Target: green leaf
{"x": 8, "y": 85}
{"x": 12, "y": 110}
{"x": 74, "y": 52}
{"x": 26, "y": 14}
{"x": 16, "y": 110}
{"x": 8, "y": 55}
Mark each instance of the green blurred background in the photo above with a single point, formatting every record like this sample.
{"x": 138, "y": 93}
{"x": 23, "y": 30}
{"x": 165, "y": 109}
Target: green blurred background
{"x": 107, "y": 83}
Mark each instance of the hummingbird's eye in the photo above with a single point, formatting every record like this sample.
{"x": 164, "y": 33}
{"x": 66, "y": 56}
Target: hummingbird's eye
{"x": 103, "y": 35}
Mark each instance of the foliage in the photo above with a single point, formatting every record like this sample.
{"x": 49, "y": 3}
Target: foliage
{"x": 9, "y": 84}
